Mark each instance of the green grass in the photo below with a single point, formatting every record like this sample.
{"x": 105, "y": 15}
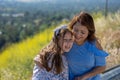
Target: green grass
{"x": 16, "y": 61}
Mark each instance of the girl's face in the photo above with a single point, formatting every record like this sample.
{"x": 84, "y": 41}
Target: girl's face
{"x": 80, "y": 33}
{"x": 66, "y": 42}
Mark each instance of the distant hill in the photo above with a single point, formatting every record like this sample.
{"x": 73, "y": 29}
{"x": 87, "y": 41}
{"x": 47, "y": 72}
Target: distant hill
{"x": 64, "y": 4}
{"x": 27, "y": 18}
{"x": 17, "y": 60}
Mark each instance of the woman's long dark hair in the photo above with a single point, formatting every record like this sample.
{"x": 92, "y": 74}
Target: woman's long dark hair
{"x": 53, "y": 51}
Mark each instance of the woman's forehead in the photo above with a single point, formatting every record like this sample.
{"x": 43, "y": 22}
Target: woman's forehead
{"x": 77, "y": 24}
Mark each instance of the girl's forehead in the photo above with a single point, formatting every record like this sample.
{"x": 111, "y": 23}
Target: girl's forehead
{"x": 68, "y": 34}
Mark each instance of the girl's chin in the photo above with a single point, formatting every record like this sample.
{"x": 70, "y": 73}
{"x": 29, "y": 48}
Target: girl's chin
{"x": 66, "y": 50}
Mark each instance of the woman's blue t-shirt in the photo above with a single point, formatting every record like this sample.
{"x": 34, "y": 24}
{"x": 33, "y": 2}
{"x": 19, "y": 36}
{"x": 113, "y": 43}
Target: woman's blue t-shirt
{"x": 83, "y": 58}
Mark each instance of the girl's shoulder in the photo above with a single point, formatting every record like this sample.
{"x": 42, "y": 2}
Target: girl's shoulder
{"x": 37, "y": 58}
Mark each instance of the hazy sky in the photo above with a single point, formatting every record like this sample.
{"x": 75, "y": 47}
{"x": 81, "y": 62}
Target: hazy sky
{"x": 30, "y": 0}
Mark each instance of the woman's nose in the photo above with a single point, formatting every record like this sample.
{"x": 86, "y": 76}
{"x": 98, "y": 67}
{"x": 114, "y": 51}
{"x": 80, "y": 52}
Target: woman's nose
{"x": 78, "y": 33}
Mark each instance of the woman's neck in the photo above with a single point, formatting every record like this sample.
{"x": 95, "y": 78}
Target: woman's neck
{"x": 80, "y": 43}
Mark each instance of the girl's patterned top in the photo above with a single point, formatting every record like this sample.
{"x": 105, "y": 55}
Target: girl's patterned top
{"x": 41, "y": 73}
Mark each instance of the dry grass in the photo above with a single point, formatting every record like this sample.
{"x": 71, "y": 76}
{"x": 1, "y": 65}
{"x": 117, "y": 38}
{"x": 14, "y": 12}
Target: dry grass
{"x": 108, "y": 30}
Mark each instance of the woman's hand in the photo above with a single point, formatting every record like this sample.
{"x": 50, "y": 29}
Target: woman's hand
{"x": 81, "y": 78}
{"x": 76, "y": 78}
{"x": 95, "y": 71}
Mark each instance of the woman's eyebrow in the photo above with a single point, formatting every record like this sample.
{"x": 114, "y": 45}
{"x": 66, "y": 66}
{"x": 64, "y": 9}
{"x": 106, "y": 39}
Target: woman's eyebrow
{"x": 84, "y": 30}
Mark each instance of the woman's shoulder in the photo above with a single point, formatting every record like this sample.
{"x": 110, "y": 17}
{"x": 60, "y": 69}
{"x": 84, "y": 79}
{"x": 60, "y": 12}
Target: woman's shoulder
{"x": 92, "y": 47}
{"x": 97, "y": 49}
{"x": 94, "y": 43}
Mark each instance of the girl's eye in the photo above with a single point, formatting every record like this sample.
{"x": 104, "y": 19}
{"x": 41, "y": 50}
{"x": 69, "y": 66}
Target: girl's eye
{"x": 76, "y": 30}
{"x": 67, "y": 40}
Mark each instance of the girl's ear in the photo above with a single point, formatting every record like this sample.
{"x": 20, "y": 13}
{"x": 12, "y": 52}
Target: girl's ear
{"x": 53, "y": 38}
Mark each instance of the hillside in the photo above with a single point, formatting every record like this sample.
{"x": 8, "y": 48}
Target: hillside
{"x": 16, "y": 61}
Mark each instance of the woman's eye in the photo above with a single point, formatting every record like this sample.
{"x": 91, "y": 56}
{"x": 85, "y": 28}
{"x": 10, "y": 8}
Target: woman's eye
{"x": 79, "y": 31}
{"x": 83, "y": 32}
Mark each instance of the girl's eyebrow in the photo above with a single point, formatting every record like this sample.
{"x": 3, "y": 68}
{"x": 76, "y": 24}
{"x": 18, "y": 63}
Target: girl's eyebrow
{"x": 65, "y": 39}
{"x": 68, "y": 39}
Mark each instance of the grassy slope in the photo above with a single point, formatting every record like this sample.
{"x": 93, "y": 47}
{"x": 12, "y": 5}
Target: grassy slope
{"x": 16, "y": 61}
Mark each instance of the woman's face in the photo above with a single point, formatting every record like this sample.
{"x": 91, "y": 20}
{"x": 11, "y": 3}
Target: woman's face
{"x": 80, "y": 33}
{"x": 66, "y": 42}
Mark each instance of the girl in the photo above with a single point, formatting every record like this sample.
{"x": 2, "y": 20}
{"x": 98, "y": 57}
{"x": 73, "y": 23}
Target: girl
{"x": 51, "y": 63}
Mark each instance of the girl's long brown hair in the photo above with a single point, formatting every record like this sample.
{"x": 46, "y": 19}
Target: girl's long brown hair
{"x": 84, "y": 19}
{"x": 53, "y": 51}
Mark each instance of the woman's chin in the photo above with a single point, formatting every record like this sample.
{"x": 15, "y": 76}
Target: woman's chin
{"x": 77, "y": 40}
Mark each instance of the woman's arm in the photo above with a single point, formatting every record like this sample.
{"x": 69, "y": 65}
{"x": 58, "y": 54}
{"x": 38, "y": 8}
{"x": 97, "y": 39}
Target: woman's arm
{"x": 95, "y": 71}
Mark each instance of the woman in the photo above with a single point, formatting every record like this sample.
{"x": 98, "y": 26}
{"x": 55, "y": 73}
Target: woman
{"x": 85, "y": 60}
{"x": 51, "y": 63}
